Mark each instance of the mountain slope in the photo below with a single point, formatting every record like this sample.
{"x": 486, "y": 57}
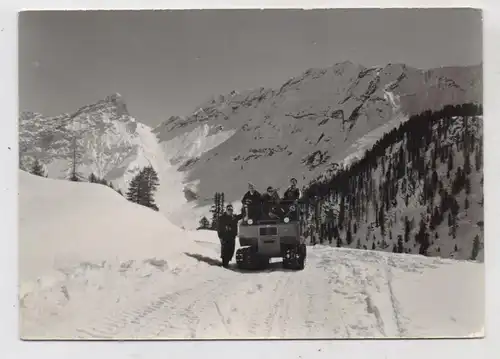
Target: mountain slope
{"x": 418, "y": 190}
{"x": 103, "y": 137}
{"x": 309, "y": 125}
{"x": 96, "y": 266}
{"x": 105, "y": 140}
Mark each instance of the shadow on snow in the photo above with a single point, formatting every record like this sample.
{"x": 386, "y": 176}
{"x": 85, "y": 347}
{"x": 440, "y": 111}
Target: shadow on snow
{"x": 274, "y": 266}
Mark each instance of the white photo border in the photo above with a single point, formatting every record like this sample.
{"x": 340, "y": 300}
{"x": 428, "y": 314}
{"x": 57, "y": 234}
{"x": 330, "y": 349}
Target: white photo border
{"x": 12, "y": 348}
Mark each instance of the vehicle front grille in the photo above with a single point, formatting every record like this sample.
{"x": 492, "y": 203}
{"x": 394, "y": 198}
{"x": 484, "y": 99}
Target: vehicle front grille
{"x": 268, "y": 231}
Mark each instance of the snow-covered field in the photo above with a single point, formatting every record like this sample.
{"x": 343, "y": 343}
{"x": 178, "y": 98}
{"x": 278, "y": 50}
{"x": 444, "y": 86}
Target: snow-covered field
{"x": 93, "y": 265}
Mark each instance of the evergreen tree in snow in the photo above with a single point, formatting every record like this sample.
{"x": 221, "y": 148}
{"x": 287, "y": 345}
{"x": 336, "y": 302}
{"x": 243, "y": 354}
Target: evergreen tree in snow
{"x": 37, "y": 169}
{"x": 74, "y": 176}
{"x": 348, "y": 238}
{"x": 217, "y": 209}
{"x": 150, "y": 182}
{"x": 204, "y": 223}
{"x": 400, "y": 244}
{"x": 339, "y": 242}
{"x": 134, "y": 189}
{"x": 475, "y": 247}
{"x": 142, "y": 188}
{"x": 92, "y": 178}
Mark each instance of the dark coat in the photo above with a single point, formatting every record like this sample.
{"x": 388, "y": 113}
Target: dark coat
{"x": 254, "y": 198}
{"x": 267, "y": 198}
{"x": 228, "y": 225}
{"x": 269, "y": 202}
{"x": 291, "y": 194}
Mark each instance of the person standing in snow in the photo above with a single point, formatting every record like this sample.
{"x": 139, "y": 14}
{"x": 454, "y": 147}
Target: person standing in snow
{"x": 251, "y": 201}
{"x": 227, "y": 231}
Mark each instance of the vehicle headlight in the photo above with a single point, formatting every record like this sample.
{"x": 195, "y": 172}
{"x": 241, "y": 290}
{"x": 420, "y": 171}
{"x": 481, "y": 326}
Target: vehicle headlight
{"x": 250, "y": 221}
{"x": 286, "y": 220}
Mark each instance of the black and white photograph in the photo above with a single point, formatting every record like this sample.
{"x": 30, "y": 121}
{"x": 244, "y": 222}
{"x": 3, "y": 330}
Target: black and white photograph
{"x": 251, "y": 174}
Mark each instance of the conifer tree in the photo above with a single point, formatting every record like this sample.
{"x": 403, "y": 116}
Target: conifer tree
{"x": 339, "y": 242}
{"x": 37, "y": 169}
{"x": 74, "y": 176}
{"x": 400, "y": 244}
{"x": 134, "y": 189}
{"x": 217, "y": 209}
{"x": 142, "y": 188}
{"x": 348, "y": 238}
{"x": 150, "y": 183}
{"x": 475, "y": 247}
{"x": 204, "y": 223}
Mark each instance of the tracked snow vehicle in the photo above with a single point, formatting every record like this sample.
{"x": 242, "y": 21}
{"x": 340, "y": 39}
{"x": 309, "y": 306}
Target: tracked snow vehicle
{"x": 271, "y": 231}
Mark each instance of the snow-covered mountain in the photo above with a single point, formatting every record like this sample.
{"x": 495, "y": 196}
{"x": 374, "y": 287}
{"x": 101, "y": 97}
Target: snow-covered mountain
{"x": 104, "y": 137}
{"x": 303, "y": 129}
{"x": 86, "y": 275}
{"x": 106, "y": 140}
{"x": 306, "y": 127}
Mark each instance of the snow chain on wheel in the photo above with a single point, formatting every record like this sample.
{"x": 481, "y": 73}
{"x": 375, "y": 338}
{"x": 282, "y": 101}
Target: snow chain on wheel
{"x": 294, "y": 257}
{"x": 247, "y": 258}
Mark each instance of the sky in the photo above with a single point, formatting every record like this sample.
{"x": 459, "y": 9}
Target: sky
{"x": 166, "y": 63}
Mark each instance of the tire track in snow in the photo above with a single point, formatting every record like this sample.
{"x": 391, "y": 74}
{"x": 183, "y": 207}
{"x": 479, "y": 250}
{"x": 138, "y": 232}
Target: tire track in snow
{"x": 222, "y": 318}
{"x": 356, "y": 283}
{"x": 373, "y": 309}
{"x": 139, "y": 319}
{"x": 256, "y": 316}
{"x": 336, "y": 298}
{"x": 279, "y": 302}
{"x": 395, "y": 303}
{"x": 205, "y": 300}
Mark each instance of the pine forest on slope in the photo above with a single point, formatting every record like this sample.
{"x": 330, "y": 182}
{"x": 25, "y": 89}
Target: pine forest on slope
{"x": 418, "y": 190}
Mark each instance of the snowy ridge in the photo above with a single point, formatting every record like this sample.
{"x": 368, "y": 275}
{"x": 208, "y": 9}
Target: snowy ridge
{"x": 191, "y": 145}
{"x": 103, "y": 136}
{"x": 93, "y": 277}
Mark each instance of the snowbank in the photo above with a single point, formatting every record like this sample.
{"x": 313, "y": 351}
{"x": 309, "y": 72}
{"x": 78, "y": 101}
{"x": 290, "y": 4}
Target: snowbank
{"x": 64, "y": 224}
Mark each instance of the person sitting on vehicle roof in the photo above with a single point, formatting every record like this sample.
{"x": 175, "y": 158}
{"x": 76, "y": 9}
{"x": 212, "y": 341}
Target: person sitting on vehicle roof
{"x": 292, "y": 193}
{"x": 270, "y": 200}
{"x": 252, "y": 201}
{"x": 276, "y": 210}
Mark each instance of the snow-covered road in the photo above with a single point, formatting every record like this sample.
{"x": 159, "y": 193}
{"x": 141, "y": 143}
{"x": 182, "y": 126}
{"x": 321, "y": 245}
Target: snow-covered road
{"x": 137, "y": 277}
{"x": 341, "y": 293}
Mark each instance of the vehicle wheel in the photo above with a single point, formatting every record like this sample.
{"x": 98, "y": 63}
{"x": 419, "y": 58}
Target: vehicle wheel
{"x": 294, "y": 257}
{"x": 248, "y": 258}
